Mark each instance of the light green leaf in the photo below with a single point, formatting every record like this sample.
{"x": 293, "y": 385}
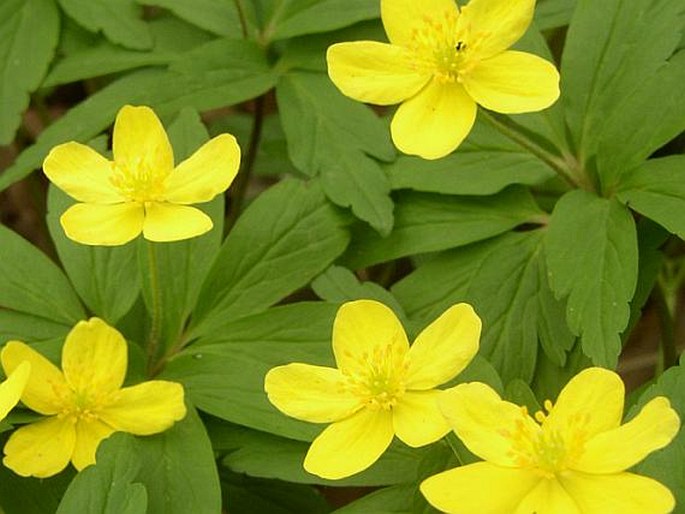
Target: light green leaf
{"x": 119, "y": 20}
{"x": 334, "y": 136}
{"x": 297, "y": 17}
{"x": 429, "y": 222}
{"x": 646, "y": 120}
{"x": 592, "y": 252}
{"x": 217, "y": 16}
{"x": 29, "y": 30}
{"x": 109, "y": 487}
{"x": 106, "y": 278}
{"x": 30, "y": 283}
{"x": 484, "y": 164}
{"x": 231, "y": 361}
{"x": 657, "y": 190}
{"x": 286, "y": 237}
{"x": 611, "y": 48}
{"x": 218, "y": 74}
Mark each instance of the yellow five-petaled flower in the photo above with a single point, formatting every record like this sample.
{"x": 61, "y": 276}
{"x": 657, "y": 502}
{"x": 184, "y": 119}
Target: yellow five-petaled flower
{"x": 140, "y": 190}
{"x": 442, "y": 60}
{"x": 381, "y": 386}
{"x": 84, "y": 403}
{"x": 570, "y": 460}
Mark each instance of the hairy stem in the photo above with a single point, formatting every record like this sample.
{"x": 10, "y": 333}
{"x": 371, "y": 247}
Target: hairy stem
{"x": 156, "y": 307}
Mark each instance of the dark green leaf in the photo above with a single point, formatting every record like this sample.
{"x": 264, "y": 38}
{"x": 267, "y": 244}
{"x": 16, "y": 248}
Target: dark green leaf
{"x": 592, "y": 252}
{"x": 119, "y": 20}
{"x": 550, "y": 14}
{"x": 245, "y": 495}
{"x": 430, "y": 222}
{"x": 286, "y": 237}
{"x": 217, "y": 16}
{"x": 29, "y": 30}
{"x": 108, "y": 487}
{"x": 334, "y": 136}
{"x": 391, "y": 500}
{"x": 29, "y": 495}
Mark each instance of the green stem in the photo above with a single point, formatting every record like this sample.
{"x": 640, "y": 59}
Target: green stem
{"x": 553, "y": 161}
{"x": 669, "y": 353}
{"x": 237, "y": 192}
{"x": 241, "y": 16}
{"x": 156, "y": 307}
{"x": 453, "y": 443}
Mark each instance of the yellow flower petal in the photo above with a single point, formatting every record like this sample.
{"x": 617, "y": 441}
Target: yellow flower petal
{"x": 622, "y": 493}
{"x": 89, "y": 434}
{"x": 94, "y": 357}
{"x": 12, "y": 388}
{"x": 444, "y": 348}
{"x": 310, "y": 393}
{"x": 107, "y": 225}
{"x": 206, "y": 173}
{"x": 41, "y": 449}
{"x": 140, "y": 142}
{"x": 82, "y": 173}
{"x": 621, "y": 448}
{"x": 495, "y": 25}
{"x": 374, "y": 72}
{"x": 481, "y": 488}
{"x": 169, "y": 222}
{"x": 366, "y": 331}
{"x": 45, "y": 387}
{"x": 147, "y": 408}
{"x": 402, "y": 17}
{"x": 435, "y": 121}
{"x": 591, "y": 402}
{"x": 488, "y": 425}
{"x": 513, "y": 82}
{"x": 548, "y": 497}
{"x": 417, "y": 420}
{"x": 350, "y": 446}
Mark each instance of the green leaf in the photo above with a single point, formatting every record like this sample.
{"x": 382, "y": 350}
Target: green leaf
{"x": 258, "y": 496}
{"x": 231, "y": 361}
{"x": 178, "y": 469}
{"x": 28, "y": 495}
{"x": 592, "y": 253}
{"x": 391, "y": 500}
{"x": 172, "y": 37}
{"x": 119, "y": 20}
{"x": 109, "y": 487}
{"x": 611, "y": 48}
{"x": 505, "y": 281}
{"x": 646, "y": 120}
{"x": 286, "y": 237}
{"x": 338, "y": 284}
{"x": 29, "y": 30}
{"x": 218, "y": 74}
{"x": 297, "y": 17}
{"x": 182, "y": 265}
{"x": 429, "y": 222}
{"x": 484, "y": 164}
{"x": 32, "y": 284}
{"x": 551, "y": 14}
{"x": 668, "y": 465}
{"x": 106, "y": 278}
{"x": 657, "y": 190}
{"x": 331, "y": 135}
{"x": 216, "y": 16}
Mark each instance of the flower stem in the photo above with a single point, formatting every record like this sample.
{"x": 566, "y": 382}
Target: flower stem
{"x": 241, "y": 16}
{"x": 156, "y": 307}
{"x": 669, "y": 353}
{"x": 553, "y": 161}
{"x": 237, "y": 192}
{"x": 454, "y": 444}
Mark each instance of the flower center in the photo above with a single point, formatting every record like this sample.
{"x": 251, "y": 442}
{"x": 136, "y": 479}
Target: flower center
{"x": 380, "y": 377}
{"x": 440, "y": 46}
{"x": 138, "y": 181}
{"x": 84, "y": 405}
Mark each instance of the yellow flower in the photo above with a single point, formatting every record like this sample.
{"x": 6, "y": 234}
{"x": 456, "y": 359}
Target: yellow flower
{"x": 12, "y": 388}
{"x": 440, "y": 62}
{"x": 381, "y": 387}
{"x": 85, "y": 402}
{"x": 572, "y": 460}
{"x": 140, "y": 190}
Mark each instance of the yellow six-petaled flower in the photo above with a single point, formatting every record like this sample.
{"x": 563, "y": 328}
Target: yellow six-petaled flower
{"x": 381, "y": 386}
{"x": 84, "y": 403}
{"x": 140, "y": 190}
{"x": 442, "y": 60}
{"x": 571, "y": 460}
